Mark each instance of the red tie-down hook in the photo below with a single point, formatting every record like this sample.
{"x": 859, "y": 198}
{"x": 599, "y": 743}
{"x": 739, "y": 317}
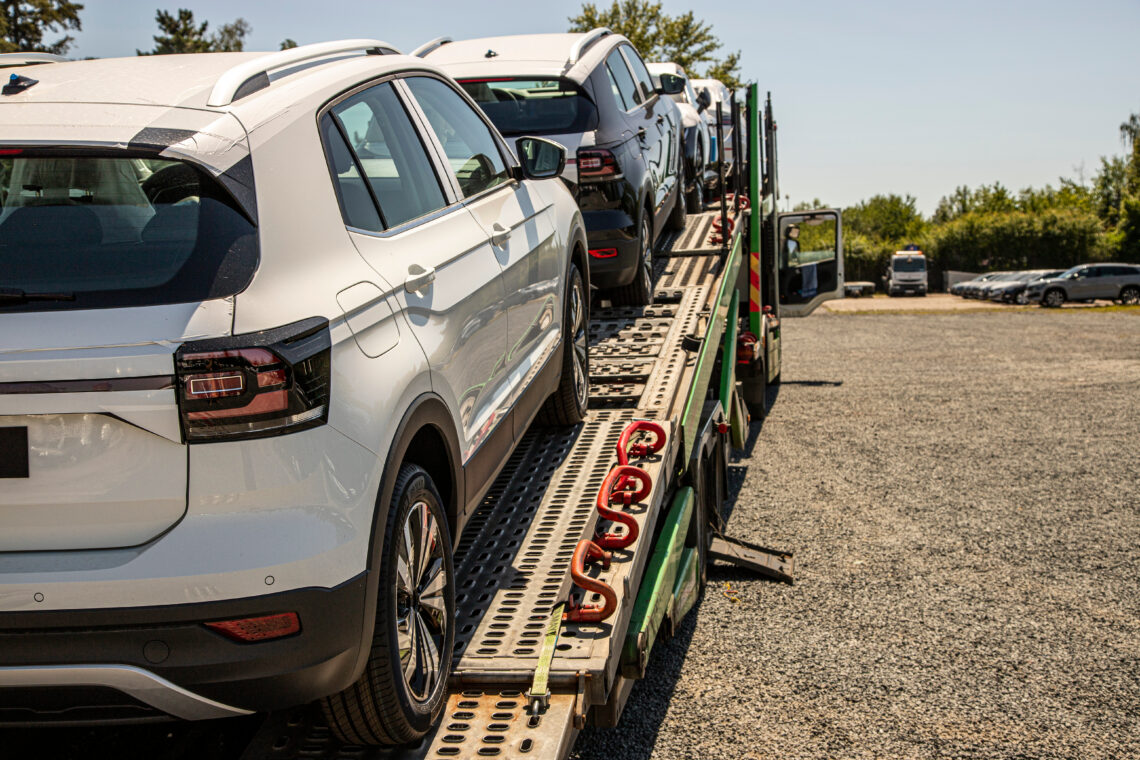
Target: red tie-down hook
{"x": 738, "y": 201}
{"x": 619, "y": 487}
{"x": 588, "y": 552}
{"x": 640, "y": 449}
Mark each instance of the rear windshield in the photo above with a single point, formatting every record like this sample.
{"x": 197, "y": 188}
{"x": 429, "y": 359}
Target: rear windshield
{"x": 909, "y": 264}
{"x": 533, "y": 106}
{"x": 83, "y": 232}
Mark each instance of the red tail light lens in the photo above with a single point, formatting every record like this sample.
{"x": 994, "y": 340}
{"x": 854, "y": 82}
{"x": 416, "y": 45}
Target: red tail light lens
{"x": 234, "y": 388}
{"x": 597, "y": 163}
{"x": 258, "y": 628}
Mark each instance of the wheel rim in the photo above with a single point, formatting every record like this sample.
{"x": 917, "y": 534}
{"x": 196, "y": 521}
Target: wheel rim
{"x": 1053, "y": 298}
{"x": 646, "y": 257}
{"x": 1130, "y": 296}
{"x": 579, "y": 344}
{"x": 421, "y": 610}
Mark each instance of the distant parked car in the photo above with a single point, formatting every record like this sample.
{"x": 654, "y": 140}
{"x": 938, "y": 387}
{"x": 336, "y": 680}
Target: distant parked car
{"x": 1087, "y": 282}
{"x": 974, "y": 289}
{"x": 960, "y": 288}
{"x": 1013, "y": 291}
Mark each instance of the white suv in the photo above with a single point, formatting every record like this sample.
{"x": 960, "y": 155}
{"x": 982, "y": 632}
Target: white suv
{"x": 269, "y": 327}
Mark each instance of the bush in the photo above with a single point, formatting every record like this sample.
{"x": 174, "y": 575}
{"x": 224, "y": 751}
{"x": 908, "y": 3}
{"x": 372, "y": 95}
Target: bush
{"x": 1053, "y": 239}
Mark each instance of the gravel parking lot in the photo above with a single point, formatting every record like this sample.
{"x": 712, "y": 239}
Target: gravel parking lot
{"x": 962, "y": 492}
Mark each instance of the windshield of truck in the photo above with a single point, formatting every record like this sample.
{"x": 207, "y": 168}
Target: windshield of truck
{"x": 82, "y": 232}
{"x": 533, "y": 106}
{"x": 909, "y": 264}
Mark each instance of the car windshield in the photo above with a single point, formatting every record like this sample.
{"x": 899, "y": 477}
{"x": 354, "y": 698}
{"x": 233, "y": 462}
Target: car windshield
{"x": 533, "y": 106}
{"x": 1072, "y": 270}
{"x": 83, "y": 231}
{"x": 909, "y": 264}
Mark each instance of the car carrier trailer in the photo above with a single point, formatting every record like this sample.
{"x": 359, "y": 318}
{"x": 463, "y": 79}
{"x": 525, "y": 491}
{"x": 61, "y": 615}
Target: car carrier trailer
{"x": 594, "y": 541}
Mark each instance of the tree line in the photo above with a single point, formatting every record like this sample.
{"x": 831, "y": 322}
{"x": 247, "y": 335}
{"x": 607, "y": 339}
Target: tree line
{"x": 993, "y": 228}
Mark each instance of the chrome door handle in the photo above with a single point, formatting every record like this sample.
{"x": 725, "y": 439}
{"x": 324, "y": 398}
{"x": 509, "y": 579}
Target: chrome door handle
{"x": 499, "y": 235}
{"x": 661, "y": 119}
{"x": 641, "y": 133}
{"x": 419, "y": 278}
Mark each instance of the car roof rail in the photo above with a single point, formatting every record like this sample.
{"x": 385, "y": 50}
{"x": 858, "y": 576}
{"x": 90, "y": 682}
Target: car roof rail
{"x": 582, "y": 45}
{"x": 26, "y": 59}
{"x": 423, "y": 50}
{"x": 249, "y": 77}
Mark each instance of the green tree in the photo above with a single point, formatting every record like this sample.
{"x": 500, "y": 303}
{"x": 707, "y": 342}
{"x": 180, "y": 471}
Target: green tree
{"x": 23, "y": 24}
{"x": 182, "y": 34}
{"x": 1130, "y": 130}
{"x": 288, "y": 43}
{"x": 888, "y": 218}
{"x": 684, "y": 39}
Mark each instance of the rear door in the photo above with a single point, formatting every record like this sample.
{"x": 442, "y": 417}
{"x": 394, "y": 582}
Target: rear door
{"x": 433, "y": 258}
{"x": 661, "y": 128}
{"x": 518, "y": 222}
{"x": 809, "y": 260}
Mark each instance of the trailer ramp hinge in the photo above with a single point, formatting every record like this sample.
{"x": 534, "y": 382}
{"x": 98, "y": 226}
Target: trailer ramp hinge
{"x": 587, "y": 551}
{"x": 768, "y": 563}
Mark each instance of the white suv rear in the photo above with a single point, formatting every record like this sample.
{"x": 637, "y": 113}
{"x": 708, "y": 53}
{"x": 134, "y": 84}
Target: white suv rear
{"x": 269, "y": 327}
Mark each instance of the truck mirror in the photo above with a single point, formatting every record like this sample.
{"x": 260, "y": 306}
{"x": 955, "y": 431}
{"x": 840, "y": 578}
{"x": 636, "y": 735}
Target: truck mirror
{"x": 810, "y": 260}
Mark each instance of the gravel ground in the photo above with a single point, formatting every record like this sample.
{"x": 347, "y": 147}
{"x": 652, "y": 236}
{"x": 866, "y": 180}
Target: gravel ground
{"x": 961, "y": 493}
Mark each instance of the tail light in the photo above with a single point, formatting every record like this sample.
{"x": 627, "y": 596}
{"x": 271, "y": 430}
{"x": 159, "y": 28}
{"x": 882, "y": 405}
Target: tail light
{"x": 597, "y": 163}
{"x": 258, "y": 628}
{"x": 255, "y": 385}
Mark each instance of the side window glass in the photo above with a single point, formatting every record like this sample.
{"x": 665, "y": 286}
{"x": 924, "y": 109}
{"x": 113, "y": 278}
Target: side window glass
{"x": 471, "y": 148}
{"x": 388, "y": 151}
{"x": 356, "y": 204}
{"x": 616, "y": 90}
{"x": 619, "y": 72}
{"x": 639, "y": 72}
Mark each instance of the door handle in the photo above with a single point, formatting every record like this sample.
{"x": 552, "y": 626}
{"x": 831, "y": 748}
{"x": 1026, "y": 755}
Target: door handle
{"x": 641, "y": 133}
{"x": 499, "y": 235}
{"x": 661, "y": 119}
{"x": 419, "y": 278}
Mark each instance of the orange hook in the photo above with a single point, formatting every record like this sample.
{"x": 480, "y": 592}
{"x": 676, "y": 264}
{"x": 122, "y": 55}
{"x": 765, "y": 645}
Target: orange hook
{"x": 588, "y": 552}
{"x": 619, "y": 486}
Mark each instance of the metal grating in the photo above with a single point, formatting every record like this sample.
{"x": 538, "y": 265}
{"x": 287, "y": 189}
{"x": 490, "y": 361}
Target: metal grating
{"x": 513, "y": 562}
{"x": 694, "y": 239}
{"x": 478, "y": 724}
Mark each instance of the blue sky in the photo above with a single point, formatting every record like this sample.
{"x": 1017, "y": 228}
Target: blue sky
{"x": 872, "y": 97}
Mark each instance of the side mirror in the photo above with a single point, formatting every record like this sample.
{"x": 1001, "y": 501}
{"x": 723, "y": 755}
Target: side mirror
{"x": 671, "y": 84}
{"x": 539, "y": 158}
{"x": 704, "y": 100}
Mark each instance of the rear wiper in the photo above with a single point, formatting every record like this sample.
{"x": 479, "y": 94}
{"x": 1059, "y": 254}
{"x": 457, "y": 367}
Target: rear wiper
{"x": 15, "y": 295}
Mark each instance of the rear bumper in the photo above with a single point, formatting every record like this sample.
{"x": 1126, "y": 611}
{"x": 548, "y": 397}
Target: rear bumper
{"x": 144, "y": 663}
{"x": 611, "y": 229}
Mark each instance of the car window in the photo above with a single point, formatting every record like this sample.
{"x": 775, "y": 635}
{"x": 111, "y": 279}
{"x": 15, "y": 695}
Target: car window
{"x": 628, "y": 96}
{"x": 83, "y": 231}
{"x": 533, "y": 106}
{"x": 468, "y": 142}
{"x": 639, "y": 72}
{"x": 387, "y": 150}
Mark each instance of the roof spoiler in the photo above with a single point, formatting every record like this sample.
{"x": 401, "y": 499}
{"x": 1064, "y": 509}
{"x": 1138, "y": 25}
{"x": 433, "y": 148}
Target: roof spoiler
{"x": 249, "y": 77}
{"x": 584, "y": 44}
{"x": 423, "y": 50}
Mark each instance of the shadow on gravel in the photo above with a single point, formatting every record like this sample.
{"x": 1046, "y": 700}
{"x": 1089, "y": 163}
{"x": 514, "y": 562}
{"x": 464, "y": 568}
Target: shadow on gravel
{"x": 205, "y": 740}
{"x": 813, "y": 383}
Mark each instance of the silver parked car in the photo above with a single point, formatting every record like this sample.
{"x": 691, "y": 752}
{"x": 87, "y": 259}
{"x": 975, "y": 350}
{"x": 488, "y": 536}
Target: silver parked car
{"x": 1087, "y": 282}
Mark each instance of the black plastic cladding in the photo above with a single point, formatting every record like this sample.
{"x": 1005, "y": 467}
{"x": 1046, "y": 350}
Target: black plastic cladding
{"x": 296, "y": 342}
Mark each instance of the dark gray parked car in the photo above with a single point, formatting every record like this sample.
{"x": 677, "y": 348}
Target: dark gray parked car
{"x": 1087, "y": 282}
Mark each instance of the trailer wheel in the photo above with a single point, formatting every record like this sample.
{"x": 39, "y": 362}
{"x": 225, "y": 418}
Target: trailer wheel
{"x": 401, "y": 693}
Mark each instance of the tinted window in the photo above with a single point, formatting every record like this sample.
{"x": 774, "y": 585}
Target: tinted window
{"x": 533, "y": 106}
{"x": 95, "y": 232}
{"x": 910, "y": 264}
{"x": 387, "y": 149}
{"x": 628, "y": 96}
{"x": 467, "y": 141}
{"x": 356, "y": 204}
{"x": 639, "y": 71}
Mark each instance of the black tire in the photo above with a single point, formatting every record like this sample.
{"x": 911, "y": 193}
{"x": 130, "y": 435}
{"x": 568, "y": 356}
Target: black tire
{"x": 695, "y": 198}
{"x": 640, "y": 291}
{"x": 1130, "y": 295}
{"x": 1053, "y": 298}
{"x": 567, "y": 405}
{"x": 385, "y": 706}
{"x": 676, "y": 220}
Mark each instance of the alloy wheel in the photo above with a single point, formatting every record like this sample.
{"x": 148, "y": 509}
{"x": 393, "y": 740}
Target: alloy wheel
{"x": 579, "y": 342}
{"x": 421, "y": 610}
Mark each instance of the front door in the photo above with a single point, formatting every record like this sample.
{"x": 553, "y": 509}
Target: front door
{"x": 810, "y": 260}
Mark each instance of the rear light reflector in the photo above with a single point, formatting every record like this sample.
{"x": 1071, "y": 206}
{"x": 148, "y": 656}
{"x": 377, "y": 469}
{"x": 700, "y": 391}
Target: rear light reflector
{"x": 603, "y": 253}
{"x": 258, "y": 628}
{"x": 256, "y": 385}
{"x": 597, "y": 163}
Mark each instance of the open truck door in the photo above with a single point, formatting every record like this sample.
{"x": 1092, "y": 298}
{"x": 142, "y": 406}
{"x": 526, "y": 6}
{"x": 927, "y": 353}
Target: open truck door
{"x": 810, "y": 260}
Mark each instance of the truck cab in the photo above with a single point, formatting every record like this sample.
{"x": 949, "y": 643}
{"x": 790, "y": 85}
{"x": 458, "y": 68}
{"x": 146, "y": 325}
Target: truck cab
{"x": 906, "y": 274}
